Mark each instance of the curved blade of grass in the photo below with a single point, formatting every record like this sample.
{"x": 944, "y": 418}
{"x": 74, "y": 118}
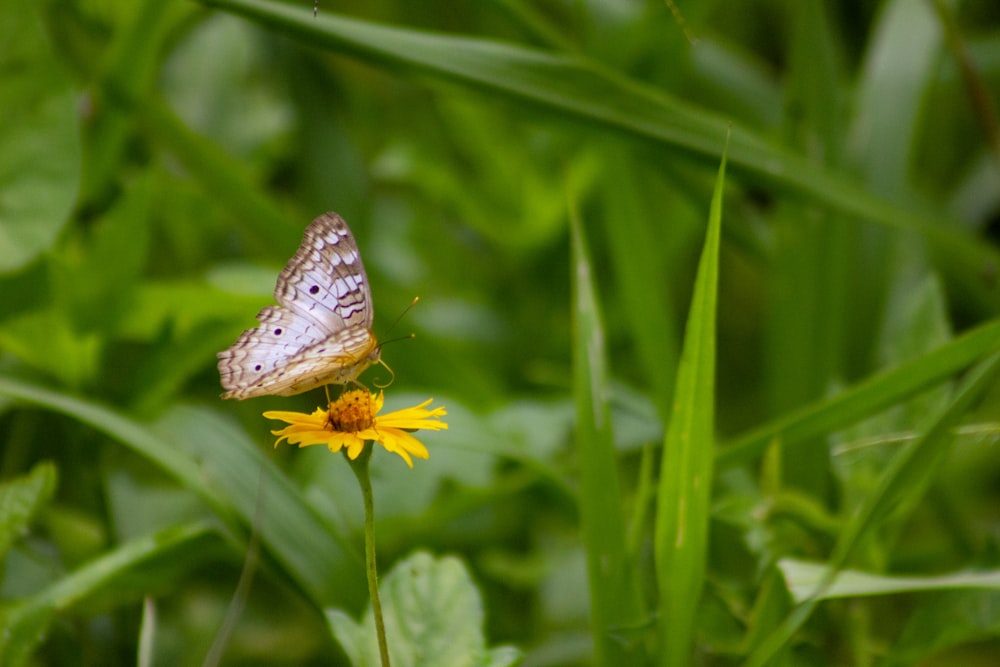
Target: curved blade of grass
{"x": 574, "y": 85}
{"x": 26, "y": 623}
{"x": 222, "y": 468}
{"x": 684, "y": 494}
{"x": 130, "y": 433}
{"x": 323, "y": 561}
{"x": 867, "y": 398}
{"x": 614, "y": 599}
{"x": 908, "y": 473}
{"x": 569, "y": 83}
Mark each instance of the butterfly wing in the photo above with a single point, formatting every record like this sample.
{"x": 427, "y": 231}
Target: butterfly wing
{"x": 321, "y": 331}
{"x": 325, "y": 281}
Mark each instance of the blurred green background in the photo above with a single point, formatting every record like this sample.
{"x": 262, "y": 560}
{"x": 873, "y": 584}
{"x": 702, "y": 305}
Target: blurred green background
{"x": 159, "y": 160}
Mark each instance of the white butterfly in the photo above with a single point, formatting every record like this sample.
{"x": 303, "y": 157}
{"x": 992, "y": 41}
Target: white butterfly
{"x": 321, "y": 331}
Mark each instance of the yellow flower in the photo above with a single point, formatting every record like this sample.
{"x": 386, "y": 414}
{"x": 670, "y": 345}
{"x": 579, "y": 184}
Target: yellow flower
{"x": 353, "y": 419}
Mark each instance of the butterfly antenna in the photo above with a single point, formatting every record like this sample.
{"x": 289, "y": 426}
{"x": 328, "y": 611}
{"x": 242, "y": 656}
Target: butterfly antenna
{"x": 393, "y": 340}
{"x": 409, "y": 336}
{"x": 315, "y": 8}
{"x": 400, "y": 316}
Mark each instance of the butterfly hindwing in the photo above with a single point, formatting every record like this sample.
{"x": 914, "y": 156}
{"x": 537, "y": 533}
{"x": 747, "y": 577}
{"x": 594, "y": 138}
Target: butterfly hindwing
{"x": 321, "y": 331}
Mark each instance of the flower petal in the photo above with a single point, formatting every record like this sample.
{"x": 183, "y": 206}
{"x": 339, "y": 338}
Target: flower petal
{"x": 337, "y": 441}
{"x": 355, "y": 446}
{"x": 318, "y": 417}
{"x": 415, "y": 418}
{"x": 402, "y": 443}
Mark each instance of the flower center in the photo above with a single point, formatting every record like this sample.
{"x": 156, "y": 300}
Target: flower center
{"x": 352, "y": 412}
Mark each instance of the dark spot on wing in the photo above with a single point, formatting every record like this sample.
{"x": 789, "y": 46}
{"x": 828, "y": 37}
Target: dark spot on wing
{"x": 314, "y": 289}
{"x": 277, "y": 332}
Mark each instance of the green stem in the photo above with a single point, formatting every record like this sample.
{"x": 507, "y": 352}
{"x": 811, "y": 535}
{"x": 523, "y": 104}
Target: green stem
{"x": 360, "y": 468}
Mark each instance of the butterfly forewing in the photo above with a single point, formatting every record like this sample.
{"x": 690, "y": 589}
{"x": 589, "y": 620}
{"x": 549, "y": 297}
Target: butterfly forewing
{"x": 321, "y": 331}
{"x": 325, "y": 281}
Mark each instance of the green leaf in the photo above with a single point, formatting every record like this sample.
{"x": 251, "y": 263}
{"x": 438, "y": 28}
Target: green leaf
{"x": 25, "y": 623}
{"x": 893, "y": 84}
{"x": 125, "y": 76}
{"x": 950, "y": 618}
{"x": 614, "y": 599}
{"x": 866, "y": 398}
{"x": 96, "y": 272}
{"x": 217, "y": 67}
{"x": 641, "y": 254}
{"x": 802, "y": 579}
{"x": 585, "y": 89}
{"x": 325, "y": 562}
{"x": 908, "y": 473}
{"x": 682, "y": 512}
{"x": 44, "y": 339}
{"x": 93, "y": 277}
{"x": 813, "y": 305}
{"x": 224, "y": 177}
{"x": 917, "y": 463}
{"x": 40, "y": 163}
{"x": 433, "y": 616}
{"x": 215, "y": 461}
{"x": 134, "y": 435}
{"x": 20, "y": 500}
{"x": 916, "y": 323}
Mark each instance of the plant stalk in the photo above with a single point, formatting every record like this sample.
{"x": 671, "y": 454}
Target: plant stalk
{"x": 360, "y": 468}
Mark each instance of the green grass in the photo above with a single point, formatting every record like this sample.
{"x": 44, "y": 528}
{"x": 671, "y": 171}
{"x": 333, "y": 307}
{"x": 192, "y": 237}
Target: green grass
{"x": 711, "y": 400}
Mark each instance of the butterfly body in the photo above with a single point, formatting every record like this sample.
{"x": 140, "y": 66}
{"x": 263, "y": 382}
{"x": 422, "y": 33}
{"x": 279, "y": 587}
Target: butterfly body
{"x": 320, "y": 333}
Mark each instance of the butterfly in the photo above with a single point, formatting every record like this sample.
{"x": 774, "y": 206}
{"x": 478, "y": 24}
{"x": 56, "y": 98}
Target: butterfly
{"x": 320, "y": 333}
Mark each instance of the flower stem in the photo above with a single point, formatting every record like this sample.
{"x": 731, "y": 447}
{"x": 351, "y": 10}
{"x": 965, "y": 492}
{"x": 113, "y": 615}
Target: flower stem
{"x": 360, "y": 468}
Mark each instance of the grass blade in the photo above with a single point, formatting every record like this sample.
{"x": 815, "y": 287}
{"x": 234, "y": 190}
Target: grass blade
{"x": 614, "y": 599}
{"x": 26, "y": 623}
{"x": 683, "y": 497}
{"x": 213, "y": 461}
{"x": 908, "y": 473}
{"x": 867, "y": 398}
{"x": 585, "y": 89}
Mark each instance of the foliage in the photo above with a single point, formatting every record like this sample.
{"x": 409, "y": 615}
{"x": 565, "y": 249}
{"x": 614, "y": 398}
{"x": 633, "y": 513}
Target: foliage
{"x": 696, "y": 416}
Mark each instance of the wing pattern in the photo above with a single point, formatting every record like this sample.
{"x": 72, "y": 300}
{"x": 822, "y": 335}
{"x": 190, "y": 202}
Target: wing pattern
{"x": 320, "y": 333}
